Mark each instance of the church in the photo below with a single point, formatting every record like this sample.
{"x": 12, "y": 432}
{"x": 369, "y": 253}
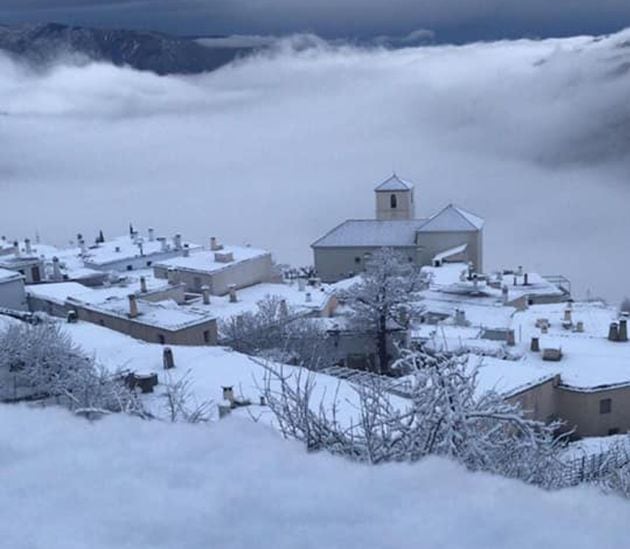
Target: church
{"x": 451, "y": 234}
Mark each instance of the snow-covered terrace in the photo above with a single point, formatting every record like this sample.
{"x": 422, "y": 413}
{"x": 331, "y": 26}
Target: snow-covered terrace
{"x": 204, "y": 261}
{"x": 126, "y": 247}
{"x": 8, "y": 276}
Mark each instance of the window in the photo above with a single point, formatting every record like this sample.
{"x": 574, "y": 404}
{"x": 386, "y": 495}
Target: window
{"x": 357, "y": 260}
{"x": 149, "y": 263}
{"x": 130, "y": 267}
{"x": 393, "y": 201}
{"x": 605, "y": 406}
{"x": 613, "y": 431}
{"x": 161, "y": 339}
{"x": 206, "y": 336}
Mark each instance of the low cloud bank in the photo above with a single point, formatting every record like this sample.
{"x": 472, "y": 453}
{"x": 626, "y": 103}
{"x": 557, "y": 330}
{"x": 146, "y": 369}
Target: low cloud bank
{"x": 278, "y": 148}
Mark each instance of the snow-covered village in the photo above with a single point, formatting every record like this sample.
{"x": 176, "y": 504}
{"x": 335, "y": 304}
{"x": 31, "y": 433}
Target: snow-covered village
{"x": 276, "y": 289}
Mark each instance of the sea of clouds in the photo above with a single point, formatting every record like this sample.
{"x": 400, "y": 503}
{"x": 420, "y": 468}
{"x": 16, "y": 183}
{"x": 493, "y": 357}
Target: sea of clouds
{"x": 278, "y": 148}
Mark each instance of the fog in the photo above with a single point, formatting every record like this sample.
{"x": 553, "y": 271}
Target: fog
{"x": 277, "y": 149}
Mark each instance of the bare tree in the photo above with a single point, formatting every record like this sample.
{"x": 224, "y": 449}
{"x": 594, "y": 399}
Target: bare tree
{"x": 382, "y": 302}
{"x": 180, "y": 402}
{"x": 277, "y": 332}
{"x": 444, "y": 416}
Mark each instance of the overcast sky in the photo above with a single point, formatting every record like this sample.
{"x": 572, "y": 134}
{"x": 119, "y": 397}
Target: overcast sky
{"x": 451, "y": 20}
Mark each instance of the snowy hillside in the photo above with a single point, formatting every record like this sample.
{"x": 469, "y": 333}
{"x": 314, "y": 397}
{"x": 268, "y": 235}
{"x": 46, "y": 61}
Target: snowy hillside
{"x": 125, "y": 483}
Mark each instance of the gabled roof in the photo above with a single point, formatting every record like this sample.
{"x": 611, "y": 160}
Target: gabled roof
{"x": 370, "y": 233}
{"x": 394, "y": 183}
{"x": 452, "y": 219}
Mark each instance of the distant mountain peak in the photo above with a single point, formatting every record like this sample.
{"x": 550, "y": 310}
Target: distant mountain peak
{"x": 44, "y": 43}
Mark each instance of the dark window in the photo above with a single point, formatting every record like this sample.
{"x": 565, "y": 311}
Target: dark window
{"x": 357, "y": 260}
{"x": 149, "y": 263}
{"x": 161, "y": 339}
{"x": 101, "y": 322}
{"x": 206, "y": 336}
{"x": 130, "y": 267}
{"x": 605, "y": 406}
{"x": 613, "y": 431}
{"x": 393, "y": 201}
{"x": 35, "y": 274}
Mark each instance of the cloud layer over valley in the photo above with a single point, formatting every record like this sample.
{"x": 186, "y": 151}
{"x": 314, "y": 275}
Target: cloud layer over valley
{"x": 277, "y": 149}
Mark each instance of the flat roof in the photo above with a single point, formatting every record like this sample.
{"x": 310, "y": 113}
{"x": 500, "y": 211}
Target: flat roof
{"x": 203, "y": 261}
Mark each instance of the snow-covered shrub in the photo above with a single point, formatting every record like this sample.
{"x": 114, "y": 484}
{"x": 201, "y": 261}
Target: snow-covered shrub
{"x": 180, "y": 402}
{"x": 276, "y": 332}
{"x": 43, "y": 362}
{"x": 444, "y": 416}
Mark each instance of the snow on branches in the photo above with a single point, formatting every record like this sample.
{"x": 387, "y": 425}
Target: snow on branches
{"x": 444, "y": 416}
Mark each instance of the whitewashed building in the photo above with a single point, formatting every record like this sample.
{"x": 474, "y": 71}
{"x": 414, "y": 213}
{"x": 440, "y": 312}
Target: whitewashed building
{"x": 452, "y": 234}
{"x": 12, "y": 295}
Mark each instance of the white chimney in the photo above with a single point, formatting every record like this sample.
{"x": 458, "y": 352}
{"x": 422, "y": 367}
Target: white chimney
{"x": 233, "y": 298}
{"x": 27, "y": 245}
{"x": 143, "y": 284}
{"x": 133, "y": 306}
{"x": 151, "y": 235}
{"x": 162, "y": 241}
{"x": 16, "y": 245}
{"x": 214, "y": 244}
{"x": 308, "y": 297}
{"x": 205, "y": 290}
{"x": 186, "y": 250}
{"x": 177, "y": 242}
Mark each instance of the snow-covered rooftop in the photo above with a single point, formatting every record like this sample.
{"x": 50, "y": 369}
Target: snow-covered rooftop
{"x": 370, "y": 233}
{"x": 452, "y": 218}
{"x": 7, "y": 275}
{"x": 127, "y": 247}
{"x": 394, "y": 183}
{"x": 203, "y": 261}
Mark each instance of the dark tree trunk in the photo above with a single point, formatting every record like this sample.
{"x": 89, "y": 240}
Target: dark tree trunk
{"x": 381, "y": 345}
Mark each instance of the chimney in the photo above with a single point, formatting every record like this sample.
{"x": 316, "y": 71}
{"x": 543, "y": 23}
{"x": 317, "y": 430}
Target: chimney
{"x": 623, "y": 330}
{"x": 16, "y": 245}
{"x": 27, "y": 245}
{"x": 505, "y": 294}
{"x": 613, "y": 332}
{"x": 82, "y": 246}
{"x": 205, "y": 290}
{"x": 162, "y": 241}
{"x": 308, "y": 297}
{"x": 143, "y": 284}
{"x": 56, "y": 269}
{"x": 535, "y": 345}
{"x": 579, "y": 326}
{"x": 151, "y": 235}
{"x": 214, "y": 244}
{"x": 233, "y": 298}
{"x": 133, "y": 306}
{"x": 186, "y": 250}
{"x": 526, "y": 279}
{"x": 167, "y": 358}
{"x": 301, "y": 284}
{"x": 284, "y": 310}
{"x": 228, "y": 394}
{"x": 177, "y": 242}
{"x": 567, "y": 315}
